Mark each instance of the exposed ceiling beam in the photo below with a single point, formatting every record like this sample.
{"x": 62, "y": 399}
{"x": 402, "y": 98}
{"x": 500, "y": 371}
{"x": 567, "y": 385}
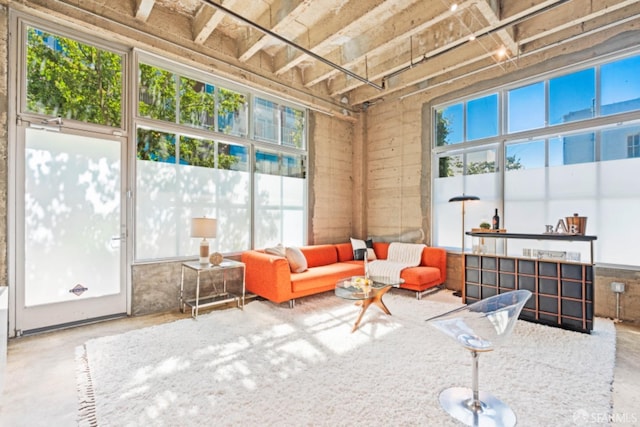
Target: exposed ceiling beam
{"x": 397, "y": 44}
{"x": 143, "y": 9}
{"x": 205, "y": 22}
{"x": 323, "y": 39}
{"x": 279, "y": 16}
{"x": 286, "y": 41}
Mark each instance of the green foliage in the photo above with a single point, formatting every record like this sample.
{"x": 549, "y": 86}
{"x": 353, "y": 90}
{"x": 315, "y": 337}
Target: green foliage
{"x": 293, "y": 134}
{"x": 197, "y": 103}
{"x": 229, "y": 102}
{"x": 157, "y": 97}
{"x": 155, "y": 145}
{"x": 73, "y": 80}
{"x": 81, "y": 82}
{"x": 442, "y": 131}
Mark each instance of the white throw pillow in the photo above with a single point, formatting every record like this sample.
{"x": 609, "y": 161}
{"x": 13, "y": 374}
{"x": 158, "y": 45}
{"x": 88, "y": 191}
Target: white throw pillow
{"x": 297, "y": 261}
{"x": 278, "y": 250}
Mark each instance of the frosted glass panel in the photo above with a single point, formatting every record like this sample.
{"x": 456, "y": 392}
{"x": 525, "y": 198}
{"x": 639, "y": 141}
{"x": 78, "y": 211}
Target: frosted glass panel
{"x": 72, "y": 215}
{"x": 279, "y": 210}
{"x": 447, "y": 216}
{"x": 156, "y": 217}
{"x": 169, "y": 195}
{"x": 600, "y": 191}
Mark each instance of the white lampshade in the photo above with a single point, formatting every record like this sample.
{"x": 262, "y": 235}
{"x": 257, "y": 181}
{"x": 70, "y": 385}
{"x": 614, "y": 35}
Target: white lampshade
{"x": 203, "y": 227}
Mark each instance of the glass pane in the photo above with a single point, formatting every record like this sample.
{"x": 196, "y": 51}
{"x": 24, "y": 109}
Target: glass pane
{"x": 73, "y": 80}
{"x": 232, "y": 112}
{"x": 572, "y": 97}
{"x": 157, "y": 97}
{"x": 480, "y": 162}
{"x": 526, "y": 108}
{"x": 267, "y": 163}
{"x": 156, "y": 146}
{"x": 525, "y": 155}
{"x": 279, "y": 208}
{"x": 293, "y": 127}
{"x": 197, "y": 152}
{"x": 450, "y": 125}
{"x": 572, "y": 149}
{"x": 616, "y": 224}
{"x": 72, "y": 214}
{"x": 620, "y": 143}
{"x": 482, "y": 117}
{"x": 620, "y": 86}
{"x": 265, "y": 120}
{"x": 293, "y": 166}
{"x": 233, "y": 157}
{"x": 197, "y": 104}
{"x": 450, "y": 166}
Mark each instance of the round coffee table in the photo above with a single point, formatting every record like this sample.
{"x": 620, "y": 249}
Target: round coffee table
{"x": 365, "y": 293}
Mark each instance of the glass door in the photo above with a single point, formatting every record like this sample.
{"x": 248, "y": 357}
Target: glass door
{"x": 71, "y": 231}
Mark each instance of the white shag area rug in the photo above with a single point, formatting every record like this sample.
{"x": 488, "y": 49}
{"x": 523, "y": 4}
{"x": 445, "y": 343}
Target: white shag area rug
{"x": 273, "y": 366}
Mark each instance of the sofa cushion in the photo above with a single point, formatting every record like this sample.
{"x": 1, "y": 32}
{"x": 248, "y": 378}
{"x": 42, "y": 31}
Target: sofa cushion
{"x": 297, "y": 260}
{"x": 318, "y": 255}
{"x": 345, "y": 252}
{"x": 325, "y": 276}
{"x": 420, "y": 274}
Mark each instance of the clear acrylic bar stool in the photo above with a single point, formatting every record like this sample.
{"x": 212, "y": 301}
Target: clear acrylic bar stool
{"x": 480, "y": 327}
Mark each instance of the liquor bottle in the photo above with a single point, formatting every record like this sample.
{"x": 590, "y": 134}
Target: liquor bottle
{"x": 496, "y": 221}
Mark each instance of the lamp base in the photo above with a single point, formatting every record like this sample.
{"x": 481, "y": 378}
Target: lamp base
{"x": 204, "y": 252}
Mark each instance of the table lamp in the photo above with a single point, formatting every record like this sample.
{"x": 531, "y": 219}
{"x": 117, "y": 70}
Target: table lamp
{"x": 205, "y": 228}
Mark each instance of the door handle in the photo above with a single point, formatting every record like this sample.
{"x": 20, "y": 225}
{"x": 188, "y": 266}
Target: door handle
{"x": 115, "y": 241}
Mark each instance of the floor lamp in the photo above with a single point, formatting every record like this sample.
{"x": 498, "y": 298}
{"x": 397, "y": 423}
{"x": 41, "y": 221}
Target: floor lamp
{"x": 462, "y": 199}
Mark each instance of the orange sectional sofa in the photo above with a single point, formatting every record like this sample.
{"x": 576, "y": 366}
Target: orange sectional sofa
{"x": 270, "y": 277}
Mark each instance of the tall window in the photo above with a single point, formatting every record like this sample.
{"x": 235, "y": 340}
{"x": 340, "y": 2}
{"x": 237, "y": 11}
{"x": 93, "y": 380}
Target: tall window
{"x": 195, "y": 157}
{"x": 539, "y": 167}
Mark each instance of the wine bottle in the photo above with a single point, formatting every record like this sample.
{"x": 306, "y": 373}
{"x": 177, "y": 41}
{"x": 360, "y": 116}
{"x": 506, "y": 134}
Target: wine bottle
{"x": 496, "y": 221}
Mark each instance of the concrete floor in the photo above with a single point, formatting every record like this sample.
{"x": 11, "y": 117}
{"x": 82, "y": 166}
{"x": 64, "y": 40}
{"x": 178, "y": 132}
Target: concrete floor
{"x": 40, "y": 381}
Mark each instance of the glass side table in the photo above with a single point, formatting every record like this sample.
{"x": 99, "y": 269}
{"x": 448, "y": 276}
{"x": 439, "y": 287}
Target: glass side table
{"x": 218, "y": 297}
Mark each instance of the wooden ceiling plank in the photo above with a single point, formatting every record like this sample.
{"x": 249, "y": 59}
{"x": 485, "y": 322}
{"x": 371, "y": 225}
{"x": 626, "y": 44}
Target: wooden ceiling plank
{"x": 350, "y": 22}
{"x": 281, "y": 14}
{"x": 143, "y": 9}
{"x": 432, "y": 50}
{"x": 461, "y": 56}
{"x": 205, "y": 22}
{"x": 566, "y": 16}
{"x": 490, "y": 10}
{"x": 618, "y": 16}
{"x": 397, "y": 43}
{"x": 598, "y": 35}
